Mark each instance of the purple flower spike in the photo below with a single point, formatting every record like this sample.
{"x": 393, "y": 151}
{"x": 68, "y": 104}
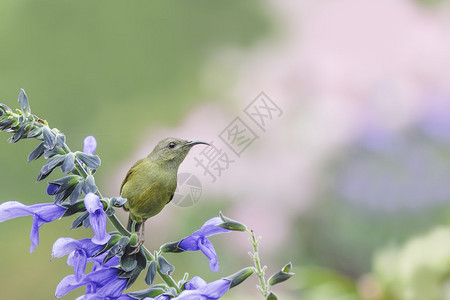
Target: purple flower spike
{"x": 42, "y": 213}
{"x": 199, "y": 289}
{"x": 97, "y": 219}
{"x": 89, "y": 144}
{"x": 198, "y": 241}
{"x": 79, "y": 252}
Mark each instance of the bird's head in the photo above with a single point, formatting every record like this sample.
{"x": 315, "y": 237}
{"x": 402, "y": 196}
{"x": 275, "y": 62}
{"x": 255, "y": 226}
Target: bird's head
{"x": 172, "y": 151}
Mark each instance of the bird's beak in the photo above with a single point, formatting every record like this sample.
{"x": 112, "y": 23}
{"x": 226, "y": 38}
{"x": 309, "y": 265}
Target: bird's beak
{"x": 193, "y": 143}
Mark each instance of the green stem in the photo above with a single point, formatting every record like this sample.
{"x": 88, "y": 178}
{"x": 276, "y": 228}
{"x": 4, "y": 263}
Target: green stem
{"x": 170, "y": 281}
{"x": 264, "y": 288}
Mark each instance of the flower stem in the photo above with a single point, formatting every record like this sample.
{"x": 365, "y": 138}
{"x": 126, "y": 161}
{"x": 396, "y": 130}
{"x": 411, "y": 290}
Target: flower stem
{"x": 260, "y": 271}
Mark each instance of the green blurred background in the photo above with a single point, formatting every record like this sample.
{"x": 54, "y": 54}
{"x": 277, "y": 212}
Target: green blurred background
{"x": 350, "y": 184}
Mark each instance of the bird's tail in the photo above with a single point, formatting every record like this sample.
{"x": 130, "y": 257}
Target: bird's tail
{"x": 130, "y": 225}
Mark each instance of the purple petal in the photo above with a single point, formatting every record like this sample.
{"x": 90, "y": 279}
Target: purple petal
{"x": 98, "y": 262}
{"x": 13, "y": 209}
{"x": 80, "y": 261}
{"x": 210, "y": 291}
{"x": 47, "y": 212}
{"x": 210, "y": 227}
{"x": 89, "y": 144}
{"x": 195, "y": 283}
{"x": 98, "y": 224}
{"x": 113, "y": 288}
{"x": 92, "y": 203}
{"x": 52, "y": 189}
{"x": 189, "y": 243}
{"x": 67, "y": 284}
{"x": 43, "y": 213}
{"x": 64, "y": 246}
{"x": 215, "y": 289}
{"x": 208, "y": 249}
{"x": 103, "y": 276}
{"x": 97, "y": 218}
{"x": 34, "y": 234}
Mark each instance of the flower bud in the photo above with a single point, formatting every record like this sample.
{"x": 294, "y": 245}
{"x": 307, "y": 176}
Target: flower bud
{"x": 4, "y": 109}
{"x": 271, "y": 296}
{"x": 171, "y": 247}
{"x": 281, "y": 276}
{"x": 239, "y": 276}
{"x": 231, "y": 224}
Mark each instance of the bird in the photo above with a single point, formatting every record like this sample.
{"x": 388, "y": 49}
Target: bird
{"x": 151, "y": 182}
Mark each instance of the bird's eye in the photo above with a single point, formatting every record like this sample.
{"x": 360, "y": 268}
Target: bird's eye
{"x": 172, "y": 145}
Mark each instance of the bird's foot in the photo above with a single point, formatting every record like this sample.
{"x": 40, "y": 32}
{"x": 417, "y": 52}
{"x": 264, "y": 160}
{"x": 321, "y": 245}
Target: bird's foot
{"x": 137, "y": 246}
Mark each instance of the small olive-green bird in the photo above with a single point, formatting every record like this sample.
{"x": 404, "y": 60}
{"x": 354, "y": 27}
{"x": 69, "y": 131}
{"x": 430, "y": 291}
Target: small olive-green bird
{"x": 151, "y": 182}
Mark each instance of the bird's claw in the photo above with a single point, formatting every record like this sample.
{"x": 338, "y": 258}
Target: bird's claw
{"x": 137, "y": 246}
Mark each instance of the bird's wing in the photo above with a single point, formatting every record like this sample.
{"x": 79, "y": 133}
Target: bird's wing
{"x": 129, "y": 174}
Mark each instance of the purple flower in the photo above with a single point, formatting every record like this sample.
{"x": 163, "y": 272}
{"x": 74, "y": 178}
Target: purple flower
{"x": 89, "y": 144}
{"x": 98, "y": 262}
{"x": 42, "y": 213}
{"x": 97, "y": 219}
{"x": 198, "y": 241}
{"x": 100, "y": 284}
{"x": 79, "y": 253}
{"x": 52, "y": 189}
{"x": 197, "y": 288}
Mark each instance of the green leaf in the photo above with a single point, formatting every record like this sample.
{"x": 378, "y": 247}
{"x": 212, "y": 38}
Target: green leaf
{"x": 49, "y": 137}
{"x": 36, "y": 153}
{"x": 128, "y": 262}
{"x": 35, "y": 132}
{"x": 152, "y": 292}
{"x": 51, "y": 164}
{"x": 76, "y": 192}
{"x": 164, "y": 266}
{"x": 79, "y": 221}
{"x": 90, "y": 160}
{"x": 73, "y": 208}
{"x": 68, "y": 164}
{"x": 89, "y": 185}
{"x": 24, "y": 104}
{"x": 151, "y": 272}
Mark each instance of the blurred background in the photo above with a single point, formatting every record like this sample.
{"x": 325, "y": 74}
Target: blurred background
{"x": 342, "y": 164}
